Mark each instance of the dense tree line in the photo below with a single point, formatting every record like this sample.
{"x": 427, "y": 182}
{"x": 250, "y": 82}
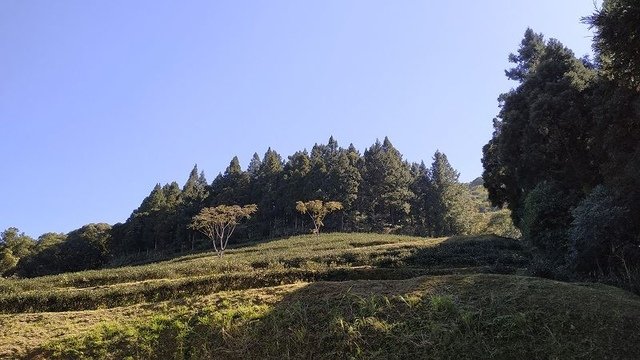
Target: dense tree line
{"x": 378, "y": 190}
{"x": 565, "y": 153}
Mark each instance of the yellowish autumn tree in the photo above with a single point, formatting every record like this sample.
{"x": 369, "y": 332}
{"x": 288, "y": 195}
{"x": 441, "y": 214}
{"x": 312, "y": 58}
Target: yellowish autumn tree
{"x": 218, "y": 223}
{"x": 318, "y": 210}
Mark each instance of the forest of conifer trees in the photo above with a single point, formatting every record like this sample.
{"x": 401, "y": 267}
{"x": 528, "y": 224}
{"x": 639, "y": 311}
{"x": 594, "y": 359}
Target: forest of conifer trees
{"x": 379, "y": 192}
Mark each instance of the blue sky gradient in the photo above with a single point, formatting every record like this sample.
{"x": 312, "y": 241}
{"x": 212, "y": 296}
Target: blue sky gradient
{"x": 101, "y": 100}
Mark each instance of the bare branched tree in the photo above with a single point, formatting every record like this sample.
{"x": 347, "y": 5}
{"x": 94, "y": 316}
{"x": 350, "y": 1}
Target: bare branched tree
{"x": 218, "y": 223}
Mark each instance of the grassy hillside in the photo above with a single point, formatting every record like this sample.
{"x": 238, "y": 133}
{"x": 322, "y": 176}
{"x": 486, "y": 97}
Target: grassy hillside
{"x": 333, "y": 296}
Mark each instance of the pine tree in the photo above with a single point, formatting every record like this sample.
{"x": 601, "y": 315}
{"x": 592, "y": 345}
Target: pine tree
{"x": 194, "y": 191}
{"x": 537, "y": 136}
{"x": 295, "y": 176}
{"x": 230, "y": 188}
{"x": 385, "y": 195}
{"x": 449, "y": 202}
{"x": 193, "y": 198}
{"x": 617, "y": 40}
{"x": 266, "y": 190}
{"x": 254, "y": 166}
{"x": 317, "y": 181}
{"x": 421, "y": 186}
{"x": 343, "y": 184}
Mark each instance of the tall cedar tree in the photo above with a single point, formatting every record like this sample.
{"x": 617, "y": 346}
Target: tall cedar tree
{"x": 266, "y": 190}
{"x": 448, "y": 200}
{"x": 193, "y": 198}
{"x": 422, "y": 215}
{"x": 537, "y": 137}
{"x": 232, "y": 187}
{"x": 295, "y": 177}
{"x": 385, "y": 195}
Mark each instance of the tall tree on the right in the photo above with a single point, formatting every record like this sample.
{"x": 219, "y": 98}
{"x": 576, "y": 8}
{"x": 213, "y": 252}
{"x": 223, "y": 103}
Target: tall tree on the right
{"x": 540, "y": 148}
{"x": 606, "y": 220}
{"x": 617, "y": 40}
{"x": 542, "y": 132}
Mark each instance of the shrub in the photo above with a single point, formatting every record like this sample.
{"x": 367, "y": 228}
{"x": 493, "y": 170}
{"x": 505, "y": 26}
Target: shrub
{"x": 600, "y": 244}
{"x": 546, "y": 217}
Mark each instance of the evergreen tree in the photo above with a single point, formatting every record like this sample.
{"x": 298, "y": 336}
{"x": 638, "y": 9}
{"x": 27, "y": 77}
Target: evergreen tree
{"x": 266, "y": 190}
{"x": 254, "y": 166}
{"x": 421, "y": 212}
{"x": 616, "y": 104}
{"x": 449, "y": 202}
{"x": 143, "y": 223}
{"x": 617, "y": 40}
{"x": 334, "y": 175}
{"x": 344, "y": 182}
{"x": 193, "y": 198}
{"x": 295, "y": 176}
{"x": 317, "y": 180}
{"x": 385, "y": 195}
{"x": 194, "y": 192}
{"x": 232, "y": 187}
{"x": 537, "y": 136}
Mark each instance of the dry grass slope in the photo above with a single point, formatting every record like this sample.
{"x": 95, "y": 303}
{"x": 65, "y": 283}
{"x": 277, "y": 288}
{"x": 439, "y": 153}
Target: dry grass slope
{"x": 360, "y": 296}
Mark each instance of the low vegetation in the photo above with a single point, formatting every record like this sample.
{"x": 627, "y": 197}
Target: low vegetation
{"x": 334, "y": 295}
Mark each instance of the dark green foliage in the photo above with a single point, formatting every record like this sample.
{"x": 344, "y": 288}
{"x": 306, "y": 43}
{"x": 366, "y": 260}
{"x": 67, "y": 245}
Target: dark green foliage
{"x": 546, "y": 217}
{"x": 481, "y": 251}
{"x": 232, "y": 187}
{"x": 599, "y": 235}
{"x": 81, "y": 249}
{"x": 617, "y": 40}
{"x": 385, "y": 195}
{"x": 254, "y": 165}
{"x": 193, "y": 198}
{"x": 565, "y": 153}
{"x": 295, "y": 178}
{"x": 537, "y": 136}
{"x": 442, "y": 205}
{"x": 449, "y": 202}
{"x": 421, "y": 212}
{"x": 266, "y": 189}
{"x": 154, "y": 225}
{"x": 379, "y": 191}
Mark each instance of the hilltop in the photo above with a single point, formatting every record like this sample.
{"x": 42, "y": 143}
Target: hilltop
{"x": 336, "y": 295}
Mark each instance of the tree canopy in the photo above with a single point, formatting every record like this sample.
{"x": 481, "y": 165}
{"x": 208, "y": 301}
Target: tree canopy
{"x": 565, "y": 152}
{"x": 220, "y": 222}
{"x": 317, "y": 211}
{"x": 377, "y": 191}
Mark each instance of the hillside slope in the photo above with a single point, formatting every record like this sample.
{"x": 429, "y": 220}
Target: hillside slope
{"x": 333, "y": 296}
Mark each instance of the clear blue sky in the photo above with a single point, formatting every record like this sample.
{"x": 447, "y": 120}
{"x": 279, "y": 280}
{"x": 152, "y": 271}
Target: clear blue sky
{"x": 100, "y": 100}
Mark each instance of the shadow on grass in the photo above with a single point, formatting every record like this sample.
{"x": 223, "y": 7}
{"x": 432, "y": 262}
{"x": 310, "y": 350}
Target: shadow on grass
{"x": 488, "y": 254}
{"x": 446, "y": 317}
{"x": 497, "y": 254}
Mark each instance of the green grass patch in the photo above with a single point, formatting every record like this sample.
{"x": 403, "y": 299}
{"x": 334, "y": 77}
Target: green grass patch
{"x": 358, "y": 296}
{"x": 444, "y": 317}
